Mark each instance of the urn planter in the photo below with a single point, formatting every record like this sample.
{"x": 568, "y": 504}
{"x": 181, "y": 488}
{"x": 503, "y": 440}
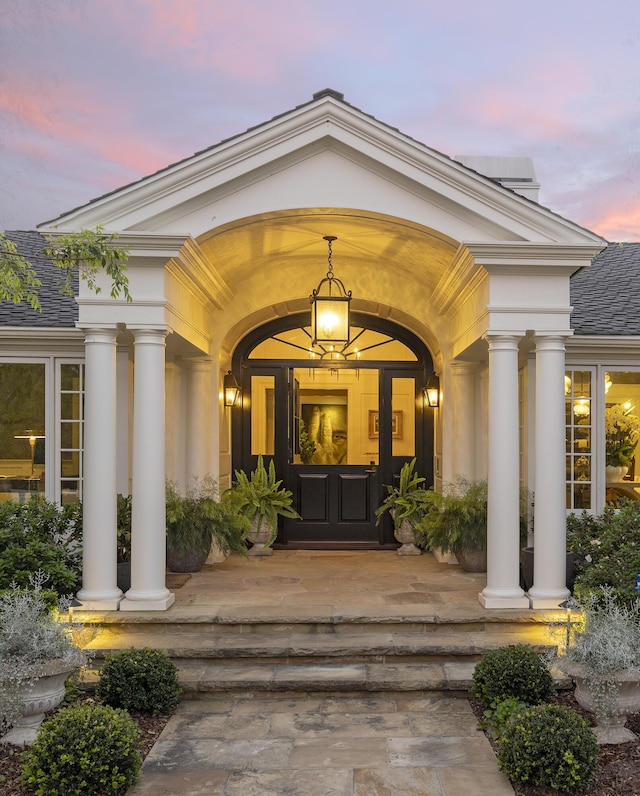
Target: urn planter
{"x": 45, "y": 694}
{"x": 260, "y": 536}
{"x": 611, "y": 699}
{"x": 405, "y": 535}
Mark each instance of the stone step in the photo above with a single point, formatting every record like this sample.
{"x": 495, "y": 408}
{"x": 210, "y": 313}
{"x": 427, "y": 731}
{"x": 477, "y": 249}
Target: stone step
{"x": 285, "y": 647}
{"x": 198, "y": 680}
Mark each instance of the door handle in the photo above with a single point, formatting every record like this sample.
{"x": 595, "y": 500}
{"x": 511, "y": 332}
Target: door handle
{"x": 372, "y": 468}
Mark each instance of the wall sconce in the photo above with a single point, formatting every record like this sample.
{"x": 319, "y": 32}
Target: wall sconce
{"x": 330, "y": 312}
{"x": 231, "y": 390}
{"x": 432, "y": 391}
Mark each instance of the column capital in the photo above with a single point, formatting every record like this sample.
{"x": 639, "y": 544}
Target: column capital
{"x": 459, "y": 368}
{"x": 550, "y": 341}
{"x": 149, "y": 336}
{"x": 100, "y": 334}
{"x": 503, "y": 341}
{"x": 201, "y": 364}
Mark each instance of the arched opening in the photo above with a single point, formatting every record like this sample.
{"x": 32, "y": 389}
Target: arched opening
{"x": 338, "y": 423}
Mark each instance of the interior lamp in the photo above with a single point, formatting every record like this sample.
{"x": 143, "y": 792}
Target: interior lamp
{"x": 231, "y": 390}
{"x": 33, "y": 437}
{"x": 432, "y": 391}
{"x": 330, "y": 310}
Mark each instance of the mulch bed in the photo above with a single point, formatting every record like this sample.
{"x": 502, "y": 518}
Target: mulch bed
{"x": 618, "y": 772}
{"x": 11, "y": 762}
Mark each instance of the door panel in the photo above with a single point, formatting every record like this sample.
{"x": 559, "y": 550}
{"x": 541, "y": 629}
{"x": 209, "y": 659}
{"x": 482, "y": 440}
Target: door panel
{"x": 337, "y": 504}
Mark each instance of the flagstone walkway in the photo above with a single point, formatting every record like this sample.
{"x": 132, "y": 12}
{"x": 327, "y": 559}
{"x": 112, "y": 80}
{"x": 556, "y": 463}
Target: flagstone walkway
{"x": 265, "y": 743}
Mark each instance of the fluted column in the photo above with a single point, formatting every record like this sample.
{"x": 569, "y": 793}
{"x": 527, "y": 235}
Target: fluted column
{"x": 99, "y": 560}
{"x": 148, "y": 591}
{"x": 503, "y": 543}
{"x": 549, "y": 563}
{"x": 198, "y": 418}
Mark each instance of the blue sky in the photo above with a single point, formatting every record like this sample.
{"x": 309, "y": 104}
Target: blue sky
{"x": 97, "y": 93}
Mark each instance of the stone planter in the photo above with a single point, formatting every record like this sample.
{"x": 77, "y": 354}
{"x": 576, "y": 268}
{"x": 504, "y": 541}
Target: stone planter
{"x": 472, "y": 560}
{"x": 45, "y": 694}
{"x": 610, "y": 702}
{"x": 260, "y": 538}
{"x": 404, "y": 534}
{"x": 185, "y": 562}
{"x": 124, "y": 576}
{"x": 527, "y": 568}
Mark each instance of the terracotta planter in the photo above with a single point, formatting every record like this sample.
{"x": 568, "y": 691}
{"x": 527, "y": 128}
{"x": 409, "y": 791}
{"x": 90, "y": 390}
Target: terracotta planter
{"x": 611, "y": 705}
{"x": 472, "y": 560}
{"x": 45, "y": 694}
{"x": 260, "y": 538}
{"x": 405, "y": 535}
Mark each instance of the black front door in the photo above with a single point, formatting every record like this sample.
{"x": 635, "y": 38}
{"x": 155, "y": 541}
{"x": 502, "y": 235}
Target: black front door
{"x": 338, "y": 432}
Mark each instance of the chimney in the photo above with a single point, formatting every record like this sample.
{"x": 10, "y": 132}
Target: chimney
{"x": 515, "y": 173}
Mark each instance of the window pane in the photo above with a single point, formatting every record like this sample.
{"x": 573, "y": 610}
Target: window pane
{"x": 22, "y": 424}
{"x": 262, "y": 415}
{"x": 622, "y": 432}
{"x": 578, "y": 419}
{"x": 337, "y": 409}
{"x": 403, "y": 407}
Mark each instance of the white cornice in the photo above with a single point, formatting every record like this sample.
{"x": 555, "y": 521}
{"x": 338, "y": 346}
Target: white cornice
{"x": 259, "y": 148}
{"x": 512, "y": 257}
{"x": 192, "y": 269}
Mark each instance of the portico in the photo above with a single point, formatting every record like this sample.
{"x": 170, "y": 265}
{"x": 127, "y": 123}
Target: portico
{"x": 466, "y": 277}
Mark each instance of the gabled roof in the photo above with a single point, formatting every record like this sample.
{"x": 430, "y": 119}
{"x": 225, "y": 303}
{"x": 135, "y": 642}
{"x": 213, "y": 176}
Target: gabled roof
{"x": 606, "y": 296}
{"x": 58, "y": 311}
{"x": 323, "y": 153}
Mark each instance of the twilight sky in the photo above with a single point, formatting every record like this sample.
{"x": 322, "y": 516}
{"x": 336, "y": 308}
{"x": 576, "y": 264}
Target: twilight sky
{"x": 97, "y": 93}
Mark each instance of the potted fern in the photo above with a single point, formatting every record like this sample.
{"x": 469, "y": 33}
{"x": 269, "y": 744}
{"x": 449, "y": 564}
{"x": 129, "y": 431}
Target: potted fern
{"x": 198, "y": 519}
{"x": 406, "y": 503}
{"x": 261, "y": 498}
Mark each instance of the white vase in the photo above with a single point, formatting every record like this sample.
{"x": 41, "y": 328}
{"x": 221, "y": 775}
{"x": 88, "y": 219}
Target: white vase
{"x": 405, "y": 535}
{"x": 615, "y": 473}
{"x": 610, "y": 700}
{"x": 45, "y": 694}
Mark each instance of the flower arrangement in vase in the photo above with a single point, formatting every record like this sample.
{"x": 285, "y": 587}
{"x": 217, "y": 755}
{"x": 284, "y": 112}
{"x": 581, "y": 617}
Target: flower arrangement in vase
{"x": 622, "y": 432}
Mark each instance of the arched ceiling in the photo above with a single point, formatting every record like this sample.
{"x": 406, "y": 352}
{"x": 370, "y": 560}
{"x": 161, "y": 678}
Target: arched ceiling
{"x": 240, "y": 250}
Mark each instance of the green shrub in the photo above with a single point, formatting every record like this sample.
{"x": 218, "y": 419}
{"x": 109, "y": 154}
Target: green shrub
{"x": 550, "y": 746}
{"x": 139, "y": 680}
{"x": 517, "y": 672}
{"x": 40, "y": 535}
{"x": 84, "y": 750}
{"x": 499, "y": 714}
{"x": 607, "y": 548}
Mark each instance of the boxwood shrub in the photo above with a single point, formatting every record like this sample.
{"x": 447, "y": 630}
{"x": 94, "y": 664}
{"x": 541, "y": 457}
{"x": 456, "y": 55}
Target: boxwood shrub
{"x": 549, "y": 746}
{"x": 517, "y": 671}
{"x": 140, "y": 681}
{"x": 84, "y": 750}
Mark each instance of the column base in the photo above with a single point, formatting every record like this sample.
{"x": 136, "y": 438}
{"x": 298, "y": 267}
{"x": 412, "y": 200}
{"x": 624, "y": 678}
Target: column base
{"x": 97, "y": 605}
{"x": 158, "y": 604}
{"x": 547, "y": 598}
{"x": 509, "y": 599}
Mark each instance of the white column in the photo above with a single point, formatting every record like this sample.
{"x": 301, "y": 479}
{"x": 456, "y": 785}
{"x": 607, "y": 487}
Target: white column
{"x": 198, "y": 418}
{"x": 549, "y": 562}
{"x": 148, "y": 591}
{"x": 99, "y": 590}
{"x": 503, "y": 542}
{"x": 464, "y": 428}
